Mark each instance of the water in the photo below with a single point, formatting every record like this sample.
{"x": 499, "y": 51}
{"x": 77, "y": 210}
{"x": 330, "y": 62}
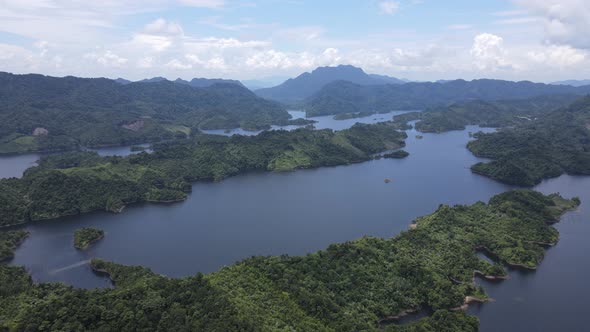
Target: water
{"x": 15, "y": 165}
{"x": 120, "y": 150}
{"x": 554, "y": 297}
{"x": 304, "y": 211}
{"x": 266, "y": 214}
{"x": 323, "y": 122}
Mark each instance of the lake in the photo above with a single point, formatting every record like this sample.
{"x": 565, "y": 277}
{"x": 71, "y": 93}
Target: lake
{"x": 13, "y": 166}
{"x": 304, "y": 211}
{"x": 322, "y": 122}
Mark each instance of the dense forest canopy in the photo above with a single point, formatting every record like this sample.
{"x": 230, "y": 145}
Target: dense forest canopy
{"x": 84, "y": 237}
{"x": 42, "y": 113}
{"x": 79, "y": 182}
{"x": 554, "y": 143}
{"x": 346, "y": 97}
{"x": 495, "y": 114}
{"x": 351, "y": 286}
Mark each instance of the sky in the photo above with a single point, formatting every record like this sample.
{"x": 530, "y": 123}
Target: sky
{"x": 537, "y": 40}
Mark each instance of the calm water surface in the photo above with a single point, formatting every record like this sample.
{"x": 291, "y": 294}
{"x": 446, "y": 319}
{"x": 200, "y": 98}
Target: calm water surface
{"x": 14, "y": 165}
{"x": 303, "y": 211}
{"x": 323, "y": 122}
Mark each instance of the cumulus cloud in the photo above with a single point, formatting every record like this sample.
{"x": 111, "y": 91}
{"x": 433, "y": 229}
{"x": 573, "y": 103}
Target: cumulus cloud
{"x": 145, "y": 62}
{"x": 107, "y": 59}
{"x": 163, "y": 27}
{"x": 177, "y": 65}
{"x": 158, "y": 35}
{"x": 566, "y": 22}
{"x": 388, "y": 7}
{"x": 560, "y": 56}
{"x": 489, "y": 53}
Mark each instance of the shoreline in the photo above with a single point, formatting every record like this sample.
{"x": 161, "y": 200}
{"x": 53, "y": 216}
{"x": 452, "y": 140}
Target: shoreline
{"x": 90, "y": 243}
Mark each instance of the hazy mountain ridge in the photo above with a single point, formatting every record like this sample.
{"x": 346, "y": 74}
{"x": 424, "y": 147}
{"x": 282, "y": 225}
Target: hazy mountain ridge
{"x": 41, "y": 113}
{"x": 346, "y": 97}
{"x": 576, "y": 83}
{"x": 306, "y": 84}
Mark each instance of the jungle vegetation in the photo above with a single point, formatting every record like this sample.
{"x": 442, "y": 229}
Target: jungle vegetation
{"x": 42, "y": 113}
{"x": 79, "y": 182}
{"x": 84, "y": 237}
{"x": 352, "y": 286}
{"x": 555, "y": 143}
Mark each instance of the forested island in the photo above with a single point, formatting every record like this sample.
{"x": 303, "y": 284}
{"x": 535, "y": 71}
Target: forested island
{"x": 85, "y": 237}
{"x": 43, "y": 113}
{"x": 352, "y": 286}
{"x": 557, "y": 142}
{"x": 79, "y": 182}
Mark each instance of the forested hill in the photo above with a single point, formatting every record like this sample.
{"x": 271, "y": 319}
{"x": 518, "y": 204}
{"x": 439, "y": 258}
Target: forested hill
{"x": 352, "y": 286}
{"x": 80, "y": 182}
{"x": 496, "y": 114}
{"x": 346, "y": 97}
{"x": 555, "y": 143}
{"x": 306, "y": 84}
{"x": 42, "y": 113}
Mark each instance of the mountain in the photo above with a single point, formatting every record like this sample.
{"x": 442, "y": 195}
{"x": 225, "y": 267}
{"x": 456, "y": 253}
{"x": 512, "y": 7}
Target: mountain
{"x": 153, "y": 80}
{"x": 43, "y": 113}
{"x": 346, "y": 97}
{"x": 205, "y": 82}
{"x": 195, "y": 82}
{"x": 262, "y": 83}
{"x": 388, "y": 79}
{"x": 576, "y": 83}
{"x": 306, "y": 84}
{"x": 122, "y": 81}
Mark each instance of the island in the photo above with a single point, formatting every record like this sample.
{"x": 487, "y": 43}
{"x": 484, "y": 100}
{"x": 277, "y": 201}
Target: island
{"x": 85, "y": 237}
{"x": 361, "y": 285}
{"x": 80, "y": 182}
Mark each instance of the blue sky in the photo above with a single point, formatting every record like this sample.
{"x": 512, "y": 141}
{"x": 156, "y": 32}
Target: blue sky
{"x": 539, "y": 40}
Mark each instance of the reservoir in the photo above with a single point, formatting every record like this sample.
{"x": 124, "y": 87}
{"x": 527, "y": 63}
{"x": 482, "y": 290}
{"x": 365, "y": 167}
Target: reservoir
{"x": 300, "y": 212}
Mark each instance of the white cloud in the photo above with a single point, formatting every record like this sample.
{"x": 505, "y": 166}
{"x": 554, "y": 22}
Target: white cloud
{"x": 388, "y": 7}
{"x": 163, "y": 27}
{"x": 177, "y": 65}
{"x": 566, "y": 22}
{"x": 145, "y": 62}
{"x": 489, "y": 53}
{"x": 107, "y": 59}
{"x": 560, "y": 56}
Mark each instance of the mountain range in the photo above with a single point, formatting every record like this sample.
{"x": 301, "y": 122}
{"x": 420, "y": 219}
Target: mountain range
{"x": 195, "y": 82}
{"x": 347, "y": 97}
{"x": 576, "y": 83}
{"x": 43, "y": 113}
{"x": 303, "y": 86}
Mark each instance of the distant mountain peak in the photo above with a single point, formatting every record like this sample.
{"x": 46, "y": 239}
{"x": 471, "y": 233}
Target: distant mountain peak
{"x": 306, "y": 84}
